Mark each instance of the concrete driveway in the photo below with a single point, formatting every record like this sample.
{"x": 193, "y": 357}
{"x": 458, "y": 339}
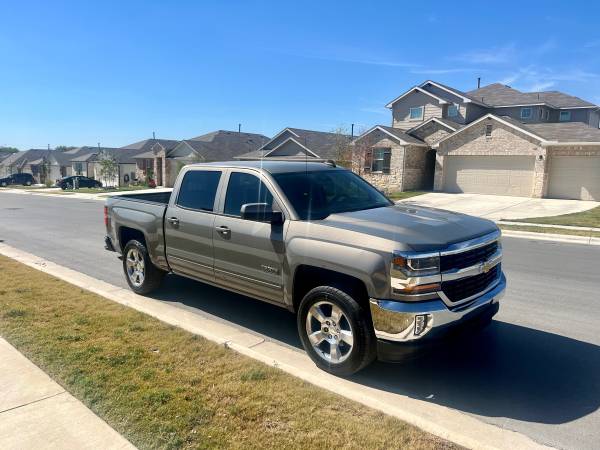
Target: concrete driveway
{"x": 501, "y": 207}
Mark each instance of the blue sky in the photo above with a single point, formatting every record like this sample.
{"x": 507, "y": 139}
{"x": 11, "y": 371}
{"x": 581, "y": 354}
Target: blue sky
{"x": 79, "y": 73}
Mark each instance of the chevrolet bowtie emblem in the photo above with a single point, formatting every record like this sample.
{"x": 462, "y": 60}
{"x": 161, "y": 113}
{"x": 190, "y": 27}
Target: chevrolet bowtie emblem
{"x": 486, "y": 266}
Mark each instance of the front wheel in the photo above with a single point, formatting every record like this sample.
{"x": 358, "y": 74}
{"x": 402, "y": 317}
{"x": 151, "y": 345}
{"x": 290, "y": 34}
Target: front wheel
{"x": 142, "y": 276}
{"x": 336, "y": 331}
{"x": 28, "y": 183}
{"x": 3, "y": 184}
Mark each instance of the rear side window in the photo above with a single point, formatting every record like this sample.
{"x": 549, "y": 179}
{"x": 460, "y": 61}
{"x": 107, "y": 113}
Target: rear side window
{"x": 198, "y": 189}
{"x": 245, "y": 188}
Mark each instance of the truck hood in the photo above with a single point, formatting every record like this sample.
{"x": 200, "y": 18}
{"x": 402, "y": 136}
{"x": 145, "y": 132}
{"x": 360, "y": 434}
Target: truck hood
{"x": 418, "y": 227}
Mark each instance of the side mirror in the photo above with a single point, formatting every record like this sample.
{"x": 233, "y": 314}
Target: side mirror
{"x": 261, "y": 212}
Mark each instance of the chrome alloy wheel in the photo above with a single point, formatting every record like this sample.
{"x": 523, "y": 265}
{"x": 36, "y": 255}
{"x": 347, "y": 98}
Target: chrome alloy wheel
{"x": 136, "y": 269}
{"x": 329, "y": 332}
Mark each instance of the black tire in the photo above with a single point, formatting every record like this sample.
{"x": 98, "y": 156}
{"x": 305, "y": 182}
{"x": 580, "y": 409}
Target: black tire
{"x": 28, "y": 183}
{"x": 69, "y": 186}
{"x": 364, "y": 347}
{"x": 152, "y": 275}
{"x": 3, "y": 184}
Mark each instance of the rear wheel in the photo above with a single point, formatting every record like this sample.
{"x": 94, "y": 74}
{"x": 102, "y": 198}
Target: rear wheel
{"x": 336, "y": 331}
{"x": 142, "y": 276}
{"x": 4, "y": 184}
{"x": 28, "y": 183}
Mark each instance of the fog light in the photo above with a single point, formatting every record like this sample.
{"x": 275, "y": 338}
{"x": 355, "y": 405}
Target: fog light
{"x": 420, "y": 324}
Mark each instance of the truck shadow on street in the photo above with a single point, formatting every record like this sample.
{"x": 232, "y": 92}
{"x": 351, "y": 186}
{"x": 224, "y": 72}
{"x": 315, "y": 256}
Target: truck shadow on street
{"x": 505, "y": 370}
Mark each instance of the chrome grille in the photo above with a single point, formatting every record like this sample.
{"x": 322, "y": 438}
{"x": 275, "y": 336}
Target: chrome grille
{"x": 468, "y": 258}
{"x": 463, "y": 288}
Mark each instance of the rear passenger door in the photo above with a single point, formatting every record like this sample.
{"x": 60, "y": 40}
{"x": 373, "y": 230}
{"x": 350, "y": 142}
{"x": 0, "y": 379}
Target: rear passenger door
{"x": 189, "y": 224}
{"x": 249, "y": 255}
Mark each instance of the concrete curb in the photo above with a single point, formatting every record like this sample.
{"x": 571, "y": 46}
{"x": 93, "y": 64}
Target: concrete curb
{"x": 546, "y": 225}
{"x": 441, "y": 421}
{"x": 552, "y": 237}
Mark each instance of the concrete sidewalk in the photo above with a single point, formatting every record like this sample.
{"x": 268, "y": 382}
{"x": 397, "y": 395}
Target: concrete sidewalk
{"x": 36, "y": 412}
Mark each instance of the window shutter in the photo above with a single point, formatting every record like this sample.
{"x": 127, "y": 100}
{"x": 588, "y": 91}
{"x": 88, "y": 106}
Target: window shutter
{"x": 368, "y": 160}
{"x": 387, "y": 157}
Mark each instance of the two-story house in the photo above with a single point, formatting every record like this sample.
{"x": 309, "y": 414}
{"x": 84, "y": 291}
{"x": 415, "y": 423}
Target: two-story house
{"x": 492, "y": 140}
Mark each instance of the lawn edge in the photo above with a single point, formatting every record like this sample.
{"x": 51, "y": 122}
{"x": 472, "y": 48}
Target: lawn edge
{"x": 435, "y": 419}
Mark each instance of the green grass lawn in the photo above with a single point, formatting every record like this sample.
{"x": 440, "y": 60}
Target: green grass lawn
{"x": 406, "y": 194}
{"x": 549, "y": 230}
{"x": 589, "y": 218}
{"x": 162, "y": 387}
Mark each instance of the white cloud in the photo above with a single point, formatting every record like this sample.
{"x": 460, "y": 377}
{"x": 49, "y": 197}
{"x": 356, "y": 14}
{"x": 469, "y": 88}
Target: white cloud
{"x": 540, "y": 86}
{"x": 494, "y": 55}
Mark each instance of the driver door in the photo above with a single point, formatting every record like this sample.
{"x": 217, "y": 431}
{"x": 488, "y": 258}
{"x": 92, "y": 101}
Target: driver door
{"x": 249, "y": 255}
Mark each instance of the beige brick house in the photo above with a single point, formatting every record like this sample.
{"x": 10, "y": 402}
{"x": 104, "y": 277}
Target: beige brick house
{"x": 493, "y": 140}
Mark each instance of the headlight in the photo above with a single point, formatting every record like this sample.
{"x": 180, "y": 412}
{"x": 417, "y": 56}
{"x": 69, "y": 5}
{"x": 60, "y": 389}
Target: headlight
{"x": 416, "y": 266}
{"x": 414, "y": 274}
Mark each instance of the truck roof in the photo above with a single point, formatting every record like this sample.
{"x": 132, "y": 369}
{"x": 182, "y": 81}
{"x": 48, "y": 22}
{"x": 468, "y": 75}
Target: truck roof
{"x": 272, "y": 166}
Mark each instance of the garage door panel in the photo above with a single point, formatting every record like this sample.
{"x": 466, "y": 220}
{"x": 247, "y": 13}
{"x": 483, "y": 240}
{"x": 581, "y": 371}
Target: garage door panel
{"x": 574, "y": 177}
{"x": 500, "y": 175}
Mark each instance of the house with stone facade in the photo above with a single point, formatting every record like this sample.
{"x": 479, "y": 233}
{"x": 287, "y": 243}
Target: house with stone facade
{"x": 492, "y": 140}
{"x": 162, "y": 159}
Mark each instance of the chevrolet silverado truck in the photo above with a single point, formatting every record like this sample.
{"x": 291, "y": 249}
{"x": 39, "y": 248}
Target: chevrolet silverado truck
{"x": 366, "y": 278}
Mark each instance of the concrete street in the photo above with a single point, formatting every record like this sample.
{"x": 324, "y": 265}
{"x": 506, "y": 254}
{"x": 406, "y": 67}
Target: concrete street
{"x": 534, "y": 371}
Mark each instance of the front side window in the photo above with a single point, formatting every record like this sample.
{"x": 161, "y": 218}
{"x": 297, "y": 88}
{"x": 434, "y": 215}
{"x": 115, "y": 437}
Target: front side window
{"x": 525, "y": 113}
{"x": 452, "y": 111}
{"x": 416, "y": 113}
{"x": 381, "y": 160}
{"x": 316, "y": 195}
{"x": 245, "y": 188}
{"x": 198, "y": 190}
{"x": 565, "y": 116}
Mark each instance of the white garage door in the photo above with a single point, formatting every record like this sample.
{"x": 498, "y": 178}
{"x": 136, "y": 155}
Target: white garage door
{"x": 500, "y": 175}
{"x": 575, "y": 177}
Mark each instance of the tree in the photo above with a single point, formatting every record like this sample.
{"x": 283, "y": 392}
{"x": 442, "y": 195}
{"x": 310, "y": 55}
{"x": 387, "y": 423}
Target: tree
{"x": 64, "y": 148}
{"x": 109, "y": 169}
{"x": 342, "y": 147}
{"x": 8, "y": 150}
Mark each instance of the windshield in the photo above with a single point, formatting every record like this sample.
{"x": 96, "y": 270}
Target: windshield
{"x": 316, "y": 195}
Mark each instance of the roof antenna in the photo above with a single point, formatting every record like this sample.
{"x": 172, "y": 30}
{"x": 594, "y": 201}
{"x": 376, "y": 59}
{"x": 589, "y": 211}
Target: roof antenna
{"x": 478, "y": 82}
{"x": 153, "y": 135}
{"x": 239, "y": 127}
{"x": 48, "y": 146}
{"x": 352, "y": 132}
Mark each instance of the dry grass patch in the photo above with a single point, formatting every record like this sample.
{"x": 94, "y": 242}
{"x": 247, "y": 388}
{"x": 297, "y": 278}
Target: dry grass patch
{"x": 589, "y": 218}
{"x": 162, "y": 387}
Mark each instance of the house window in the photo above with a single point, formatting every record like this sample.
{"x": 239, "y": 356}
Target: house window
{"x": 525, "y": 113}
{"x": 380, "y": 162}
{"x": 565, "y": 116}
{"x": 488, "y": 130}
{"x": 78, "y": 168}
{"x": 416, "y": 113}
{"x": 452, "y": 110}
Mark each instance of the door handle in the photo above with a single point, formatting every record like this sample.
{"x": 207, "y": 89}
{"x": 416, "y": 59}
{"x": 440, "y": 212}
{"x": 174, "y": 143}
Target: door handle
{"x": 173, "y": 221}
{"x": 223, "y": 230}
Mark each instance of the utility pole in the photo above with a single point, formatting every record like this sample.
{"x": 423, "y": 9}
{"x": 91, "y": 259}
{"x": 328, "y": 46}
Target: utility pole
{"x": 352, "y": 131}
{"x": 239, "y": 127}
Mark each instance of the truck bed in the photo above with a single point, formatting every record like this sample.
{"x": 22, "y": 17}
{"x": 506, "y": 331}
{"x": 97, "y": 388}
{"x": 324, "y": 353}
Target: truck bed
{"x": 152, "y": 197}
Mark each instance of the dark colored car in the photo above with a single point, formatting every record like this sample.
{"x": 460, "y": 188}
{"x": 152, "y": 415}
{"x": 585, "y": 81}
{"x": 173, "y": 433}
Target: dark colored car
{"x": 78, "y": 181}
{"x": 26, "y": 179}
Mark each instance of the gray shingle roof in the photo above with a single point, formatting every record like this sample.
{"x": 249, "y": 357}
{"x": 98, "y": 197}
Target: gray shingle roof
{"x": 500, "y": 95}
{"x": 565, "y": 131}
{"x": 401, "y": 135}
{"x": 147, "y": 144}
{"x": 324, "y": 144}
{"x": 225, "y": 145}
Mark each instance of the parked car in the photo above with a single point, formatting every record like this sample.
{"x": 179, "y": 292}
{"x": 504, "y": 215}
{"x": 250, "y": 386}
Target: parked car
{"x": 25, "y": 179}
{"x": 79, "y": 181}
{"x": 365, "y": 277}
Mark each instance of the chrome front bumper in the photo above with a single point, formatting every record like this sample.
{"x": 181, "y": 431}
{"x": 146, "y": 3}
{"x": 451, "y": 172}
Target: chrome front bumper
{"x": 410, "y": 322}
